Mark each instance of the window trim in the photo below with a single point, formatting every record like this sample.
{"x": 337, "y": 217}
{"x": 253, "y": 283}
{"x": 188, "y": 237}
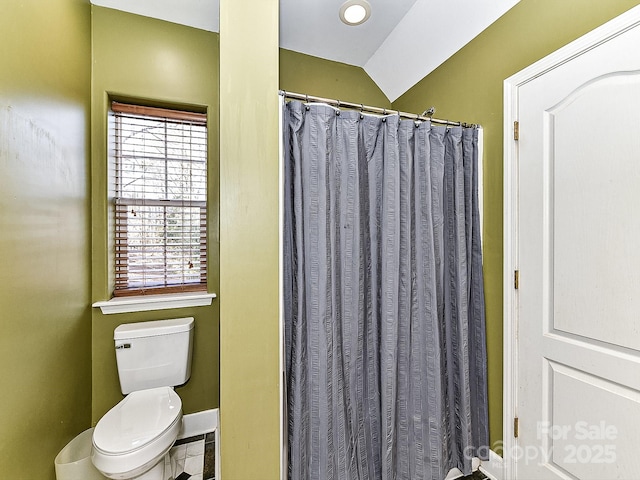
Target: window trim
{"x": 144, "y": 303}
{"x": 182, "y": 115}
{"x": 177, "y": 291}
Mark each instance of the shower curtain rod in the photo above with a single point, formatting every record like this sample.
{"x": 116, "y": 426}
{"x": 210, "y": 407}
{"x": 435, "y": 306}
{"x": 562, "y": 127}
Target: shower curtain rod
{"x": 426, "y": 116}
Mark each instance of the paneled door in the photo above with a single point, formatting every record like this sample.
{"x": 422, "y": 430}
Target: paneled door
{"x": 573, "y": 260}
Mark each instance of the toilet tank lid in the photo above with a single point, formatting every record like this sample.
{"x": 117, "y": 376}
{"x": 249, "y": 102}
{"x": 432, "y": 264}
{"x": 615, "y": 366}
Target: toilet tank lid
{"x": 153, "y": 328}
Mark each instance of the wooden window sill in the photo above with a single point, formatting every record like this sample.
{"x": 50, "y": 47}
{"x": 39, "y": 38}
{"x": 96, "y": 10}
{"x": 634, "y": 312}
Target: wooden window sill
{"x": 145, "y": 303}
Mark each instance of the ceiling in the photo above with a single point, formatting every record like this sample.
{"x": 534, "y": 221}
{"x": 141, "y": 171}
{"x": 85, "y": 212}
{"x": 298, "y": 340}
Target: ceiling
{"x": 402, "y": 42}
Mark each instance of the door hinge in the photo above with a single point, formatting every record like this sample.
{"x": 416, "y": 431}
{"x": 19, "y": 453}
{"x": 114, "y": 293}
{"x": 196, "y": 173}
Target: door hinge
{"x": 515, "y": 427}
{"x": 516, "y": 130}
{"x": 516, "y": 279}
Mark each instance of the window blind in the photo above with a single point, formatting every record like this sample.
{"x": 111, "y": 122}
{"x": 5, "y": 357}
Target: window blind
{"x": 160, "y": 200}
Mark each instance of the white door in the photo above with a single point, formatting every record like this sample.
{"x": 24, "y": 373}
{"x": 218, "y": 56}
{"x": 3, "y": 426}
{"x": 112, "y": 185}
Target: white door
{"x": 576, "y": 247}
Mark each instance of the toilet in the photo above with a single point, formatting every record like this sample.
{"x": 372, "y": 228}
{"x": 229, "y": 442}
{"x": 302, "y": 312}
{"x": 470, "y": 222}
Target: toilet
{"x": 132, "y": 439}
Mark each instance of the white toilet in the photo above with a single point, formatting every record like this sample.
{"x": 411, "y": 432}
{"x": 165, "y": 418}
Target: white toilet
{"x": 133, "y": 438}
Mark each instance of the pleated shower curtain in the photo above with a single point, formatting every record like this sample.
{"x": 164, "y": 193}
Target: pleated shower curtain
{"x": 383, "y": 297}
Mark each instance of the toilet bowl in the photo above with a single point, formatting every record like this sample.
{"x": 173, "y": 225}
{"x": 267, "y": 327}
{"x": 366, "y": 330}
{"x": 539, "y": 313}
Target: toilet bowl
{"x": 132, "y": 439}
{"x": 137, "y": 433}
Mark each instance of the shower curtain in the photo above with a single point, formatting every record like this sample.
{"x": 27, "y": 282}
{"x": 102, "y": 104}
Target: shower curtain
{"x": 384, "y": 322}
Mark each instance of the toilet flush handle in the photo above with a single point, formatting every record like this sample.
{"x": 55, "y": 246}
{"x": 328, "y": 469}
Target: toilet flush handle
{"x": 124, "y": 345}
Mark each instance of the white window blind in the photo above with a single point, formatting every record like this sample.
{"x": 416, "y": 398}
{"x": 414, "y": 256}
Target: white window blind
{"x": 160, "y": 200}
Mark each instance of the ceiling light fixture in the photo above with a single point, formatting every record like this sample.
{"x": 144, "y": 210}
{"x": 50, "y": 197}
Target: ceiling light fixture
{"x": 355, "y": 12}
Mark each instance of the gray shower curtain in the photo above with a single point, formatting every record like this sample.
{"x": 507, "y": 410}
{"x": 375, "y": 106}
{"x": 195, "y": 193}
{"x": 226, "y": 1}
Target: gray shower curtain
{"x": 383, "y": 296}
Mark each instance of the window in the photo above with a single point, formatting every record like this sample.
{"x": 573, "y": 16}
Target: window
{"x": 160, "y": 200}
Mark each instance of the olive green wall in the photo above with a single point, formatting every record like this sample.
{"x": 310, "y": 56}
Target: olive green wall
{"x": 469, "y": 87}
{"x": 143, "y": 58}
{"x": 249, "y": 240}
{"x": 45, "y": 322}
{"x": 302, "y": 73}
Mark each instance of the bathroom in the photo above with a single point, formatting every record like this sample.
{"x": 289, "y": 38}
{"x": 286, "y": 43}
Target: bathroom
{"x": 58, "y": 59}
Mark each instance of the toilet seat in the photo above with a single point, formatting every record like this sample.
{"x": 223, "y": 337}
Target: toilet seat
{"x": 139, "y": 430}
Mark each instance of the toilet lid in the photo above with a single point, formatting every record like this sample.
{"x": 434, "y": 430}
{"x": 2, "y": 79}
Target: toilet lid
{"x": 138, "y": 419}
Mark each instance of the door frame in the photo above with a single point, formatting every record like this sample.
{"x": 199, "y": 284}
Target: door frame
{"x": 600, "y": 35}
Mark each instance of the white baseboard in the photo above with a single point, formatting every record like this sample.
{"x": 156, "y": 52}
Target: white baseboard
{"x": 199, "y": 423}
{"x": 455, "y": 473}
{"x": 492, "y": 468}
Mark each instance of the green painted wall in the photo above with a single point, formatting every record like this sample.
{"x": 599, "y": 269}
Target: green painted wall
{"x": 301, "y": 73}
{"x": 249, "y": 240}
{"x": 149, "y": 59}
{"x": 469, "y": 87}
{"x": 45, "y": 322}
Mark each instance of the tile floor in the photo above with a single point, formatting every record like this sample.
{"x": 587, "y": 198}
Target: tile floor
{"x": 192, "y": 458}
{"x": 477, "y": 475}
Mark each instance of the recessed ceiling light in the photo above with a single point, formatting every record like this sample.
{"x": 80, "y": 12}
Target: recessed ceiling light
{"x": 355, "y": 12}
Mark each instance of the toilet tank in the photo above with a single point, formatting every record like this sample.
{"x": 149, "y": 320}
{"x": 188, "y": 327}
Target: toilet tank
{"x": 154, "y": 354}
